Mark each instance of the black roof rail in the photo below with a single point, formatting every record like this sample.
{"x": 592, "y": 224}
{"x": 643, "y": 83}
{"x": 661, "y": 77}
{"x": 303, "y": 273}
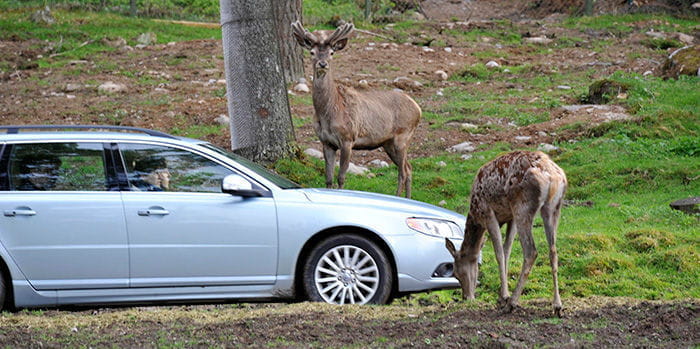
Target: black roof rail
{"x": 15, "y": 129}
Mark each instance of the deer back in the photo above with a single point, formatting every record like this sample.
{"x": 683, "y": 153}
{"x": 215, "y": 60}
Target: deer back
{"x": 515, "y": 177}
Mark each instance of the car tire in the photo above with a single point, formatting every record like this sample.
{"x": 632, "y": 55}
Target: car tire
{"x": 3, "y": 291}
{"x": 348, "y": 268}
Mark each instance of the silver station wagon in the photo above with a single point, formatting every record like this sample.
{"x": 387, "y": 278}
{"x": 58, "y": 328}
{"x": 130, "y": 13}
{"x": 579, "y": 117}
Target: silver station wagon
{"x": 108, "y": 215}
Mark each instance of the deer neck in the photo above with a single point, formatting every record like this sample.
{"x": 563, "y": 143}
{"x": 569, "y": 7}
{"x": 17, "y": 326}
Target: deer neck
{"x": 326, "y": 96}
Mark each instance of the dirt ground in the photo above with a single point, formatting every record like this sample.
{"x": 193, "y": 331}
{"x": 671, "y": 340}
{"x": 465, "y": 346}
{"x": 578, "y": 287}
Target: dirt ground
{"x": 179, "y": 85}
{"x": 589, "y": 322}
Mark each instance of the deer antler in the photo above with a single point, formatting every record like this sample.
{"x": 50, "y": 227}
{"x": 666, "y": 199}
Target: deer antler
{"x": 341, "y": 33}
{"x": 304, "y": 37}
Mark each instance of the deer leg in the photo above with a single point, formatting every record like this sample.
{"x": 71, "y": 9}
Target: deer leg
{"x": 329, "y": 157}
{"x": 345, "y": 152}
{"x": 495, "y": 232}
{"x": 508, "y": 244}
{"x": 396, "y": 158}
{"x": 523, "y": 224}
{"x": 550, "y": 216}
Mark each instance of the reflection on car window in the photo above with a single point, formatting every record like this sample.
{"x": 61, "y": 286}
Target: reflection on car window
{"x": 159, "y": 168}
{"x": 57, "y": 167}
{"x": 278, "y": 180}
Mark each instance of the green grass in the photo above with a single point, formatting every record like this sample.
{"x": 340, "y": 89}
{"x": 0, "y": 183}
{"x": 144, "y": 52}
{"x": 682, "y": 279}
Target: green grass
{"x": 629, "y": 242}
{"x": 78, "y": 34}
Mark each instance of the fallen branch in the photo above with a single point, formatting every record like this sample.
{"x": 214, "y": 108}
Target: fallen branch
{"x": 374, "y": 34}
{"x": 64, "y": 52}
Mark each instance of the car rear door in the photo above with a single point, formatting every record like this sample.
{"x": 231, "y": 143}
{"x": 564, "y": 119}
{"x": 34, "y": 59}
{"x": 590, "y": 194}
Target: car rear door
{"x": 64, "y": 229}
{"x": 189, "y": 233}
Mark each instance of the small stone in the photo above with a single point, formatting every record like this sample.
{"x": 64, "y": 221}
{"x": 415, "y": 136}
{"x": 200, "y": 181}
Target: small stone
{"x": 465, "y": 147}
{"x": 468, "y": 126}
{"x": 427, "y": 49}
{"x": 541, "y": 40}
{"x": 378, "y": 163}
{"x": 492, "y": 64}
{"x": 564, "y": 87}
{"x": 442, "y": 164}
{"x": 448, "y": 49}
{"x": 441, "y": 75}
{"x": 223, "y": 120}
{"x": 522, "y": 138}
{"x": 314, "y": 153}
{"x": 356, "y": 169}
{"x": 466, "y": 156}
{"x": 111, "y": 87}
{"x": 547, "y": 148}
{"x": 146, "y": 39}
{"x": 302, "y": 88}
{"x": 72, "y": 87}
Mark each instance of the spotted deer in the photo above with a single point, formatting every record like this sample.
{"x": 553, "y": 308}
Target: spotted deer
{"x": 511, "y": 189}
{"x": 347, "y": 119}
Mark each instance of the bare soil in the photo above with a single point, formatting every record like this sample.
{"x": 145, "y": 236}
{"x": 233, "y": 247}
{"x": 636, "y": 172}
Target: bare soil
{"x": 178, "y": 86}
{"x": 589, "y": 322}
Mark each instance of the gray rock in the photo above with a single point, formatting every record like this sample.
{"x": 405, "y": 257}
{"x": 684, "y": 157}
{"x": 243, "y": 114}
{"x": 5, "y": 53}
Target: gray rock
{"x": 314, "y": 153}
{"x": 72, "y": 87}
{"x": 540, "y": 40}
{"x": 111, "y": 87}
{"x": 223, "y": 120}
{"x": 441, "y": 75}
{"x": 302, "y": 88}
{"x": 442, "y": 164}
{"x": 357, "y": 170}
{"x": 43, "y": 16}
{"x": 378, "y": 163}
{"x": 146, "y": 39}
{"x": 465, "y": 147}
{"x": 690, "y": 205}
{"x": 492, "y": 64}
{"x": 547, "y": 148}
{"x": 522, "y": 138}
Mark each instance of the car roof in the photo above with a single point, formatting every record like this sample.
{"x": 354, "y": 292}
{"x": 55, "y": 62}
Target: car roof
{"x": 88, "y": 132}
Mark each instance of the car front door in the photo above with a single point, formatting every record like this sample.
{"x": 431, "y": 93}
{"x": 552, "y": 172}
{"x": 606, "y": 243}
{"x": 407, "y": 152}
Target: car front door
{"x": 60, "y": 222}
{"x": 183, "y": 231}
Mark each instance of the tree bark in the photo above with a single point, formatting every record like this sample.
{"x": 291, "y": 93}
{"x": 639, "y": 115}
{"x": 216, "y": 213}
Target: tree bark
{"x": 291, "y": 54}
{"x": 261, "y": 123}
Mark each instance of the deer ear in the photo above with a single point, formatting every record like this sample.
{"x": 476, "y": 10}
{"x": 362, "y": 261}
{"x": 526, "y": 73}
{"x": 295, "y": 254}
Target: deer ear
{"x": 451, "y": 247}
{"x": 340, "y": 44}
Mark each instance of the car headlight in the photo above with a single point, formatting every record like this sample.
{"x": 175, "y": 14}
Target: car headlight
{"x": 435, "y": 227}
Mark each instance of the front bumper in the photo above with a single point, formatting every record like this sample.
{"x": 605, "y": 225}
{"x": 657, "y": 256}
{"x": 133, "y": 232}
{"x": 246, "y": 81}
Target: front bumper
{"x": 417, "y": 258}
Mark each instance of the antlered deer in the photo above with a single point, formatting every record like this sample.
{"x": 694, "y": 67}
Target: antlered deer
{"x": 511, "y": 189}
{"x": 348, "y": 119}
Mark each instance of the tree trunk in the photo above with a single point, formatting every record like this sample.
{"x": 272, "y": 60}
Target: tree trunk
{"x": 132, "y": 8}
{"x": 261, "y": 122}
{"x": 291, "y": 54}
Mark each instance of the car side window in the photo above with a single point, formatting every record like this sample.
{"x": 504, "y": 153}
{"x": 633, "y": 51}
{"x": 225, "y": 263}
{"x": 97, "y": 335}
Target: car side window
{"x": 160, "y": 168}
{"x": 57, "y": 167}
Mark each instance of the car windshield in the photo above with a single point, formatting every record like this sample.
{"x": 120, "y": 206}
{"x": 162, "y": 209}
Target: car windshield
{"x": 278, "y": 180}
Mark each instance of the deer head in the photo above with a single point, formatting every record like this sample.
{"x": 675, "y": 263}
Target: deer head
{"x": 466, "y": 266}
{"x": 322, "y": 44}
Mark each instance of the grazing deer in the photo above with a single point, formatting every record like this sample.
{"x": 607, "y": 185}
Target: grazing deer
{"x": 511, "y": 189}
{"x": 347, "y": 119}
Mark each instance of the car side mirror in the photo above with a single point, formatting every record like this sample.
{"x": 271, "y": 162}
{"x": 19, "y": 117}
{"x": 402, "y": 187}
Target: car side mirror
{"x": 237, "y": 185}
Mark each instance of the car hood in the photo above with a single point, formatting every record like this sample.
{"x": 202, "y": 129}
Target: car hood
{"x": 380, "y": 202}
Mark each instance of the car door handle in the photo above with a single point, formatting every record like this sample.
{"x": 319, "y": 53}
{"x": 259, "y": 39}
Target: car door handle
{"x": 19, "y": 212}
{"x": 154, "y": 212}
